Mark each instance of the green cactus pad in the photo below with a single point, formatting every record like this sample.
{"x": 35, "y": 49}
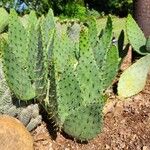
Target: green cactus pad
{"x": 133, "y": 79}
{"x": 103, "y": 44}
{"x": 48, "y": 24}
{"x": 88, "y": 113}
{"x": 110, "y": 67}
{"x": 87, "y": 70}
{"x": 135, "y": 35}
{"x": 69, "y": 94}
{"x": 85, "y": 123}
{"x": 66, "y": 85}
{"x": 24, "y": 20}
{"x": 74, "y": 32}
{"x": 92, "y": 25}
{"x": 15, "y": 60}
{"x": 3, "y": 19}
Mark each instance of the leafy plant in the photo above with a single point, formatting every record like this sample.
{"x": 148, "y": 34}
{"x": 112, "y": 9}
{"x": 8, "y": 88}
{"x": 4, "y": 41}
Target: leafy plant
{"x": 133, "y": 80}
{"x": 66, "y": 65}
{"x": 74, "y": 10}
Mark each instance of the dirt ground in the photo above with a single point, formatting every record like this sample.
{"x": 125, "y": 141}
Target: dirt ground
{"x": 126, "y": 127}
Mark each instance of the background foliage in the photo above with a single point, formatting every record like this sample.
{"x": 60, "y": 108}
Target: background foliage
{"x": 72, "y": 8}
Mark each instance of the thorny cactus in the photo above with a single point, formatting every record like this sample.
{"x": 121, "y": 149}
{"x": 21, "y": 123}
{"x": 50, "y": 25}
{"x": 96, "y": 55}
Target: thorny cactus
{"x": 28, "y": 114}
{"x": 65, "y": 65}
{"x": 136, "y": 36}
{"x": 24, "y": 58}
{"x": 133, "y": 79}
{"x": 81, "y": 68}
{"x": 3, "y": 19}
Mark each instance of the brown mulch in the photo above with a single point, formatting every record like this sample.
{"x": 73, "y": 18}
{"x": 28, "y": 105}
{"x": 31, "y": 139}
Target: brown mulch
{"x": 126, "y": 127}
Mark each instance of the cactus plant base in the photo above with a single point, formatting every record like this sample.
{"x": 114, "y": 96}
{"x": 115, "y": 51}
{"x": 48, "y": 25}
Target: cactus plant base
{"x": 124, "y": 121}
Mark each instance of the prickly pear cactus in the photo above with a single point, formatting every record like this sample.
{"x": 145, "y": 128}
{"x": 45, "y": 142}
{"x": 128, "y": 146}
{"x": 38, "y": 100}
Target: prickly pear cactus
{"x": 76, "y": 97}
{"x": 24, "y": 58}
{"x": 133, "y": 79}
{"x": 28, "y": 114}
{"x": 65, "y": 64}
{"x": 106, "y": 55}
{"x": 3, "y": 19}
{"x": 135, "y": 36}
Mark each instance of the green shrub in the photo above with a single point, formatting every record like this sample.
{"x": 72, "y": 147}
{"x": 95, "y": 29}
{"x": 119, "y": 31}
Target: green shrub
{"x": 74, "y": 10}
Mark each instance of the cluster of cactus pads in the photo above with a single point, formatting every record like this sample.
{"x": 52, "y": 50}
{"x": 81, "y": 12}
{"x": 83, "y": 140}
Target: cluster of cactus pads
{"x": 133, "y": 79}
{"x": 65, "y": 65}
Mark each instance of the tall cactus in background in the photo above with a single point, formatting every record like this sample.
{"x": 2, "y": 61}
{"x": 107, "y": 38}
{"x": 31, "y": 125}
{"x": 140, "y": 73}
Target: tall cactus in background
{"x": 133, "y": 80}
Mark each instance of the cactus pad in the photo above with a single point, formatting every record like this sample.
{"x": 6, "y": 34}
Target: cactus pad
{"x": 3, "y": 19}
{"x": 133, "y": 79}
{"x": 135, "y": 35}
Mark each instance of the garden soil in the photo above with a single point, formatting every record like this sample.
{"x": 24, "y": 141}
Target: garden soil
{"x": 126, "y": 127}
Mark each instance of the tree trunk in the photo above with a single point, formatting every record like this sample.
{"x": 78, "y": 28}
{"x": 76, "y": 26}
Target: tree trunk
{"x": 142, "y": 15}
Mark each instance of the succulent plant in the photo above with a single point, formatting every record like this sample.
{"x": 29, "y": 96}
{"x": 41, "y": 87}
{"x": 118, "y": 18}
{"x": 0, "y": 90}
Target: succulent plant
{"x": 24, "y": 58}
{"x": 136, "y": 36}
{"x": 66, "y": 65}
{"x": 3, "y": 19}
{"x": 133, "y": 79}
{"x": 78, "y": 77}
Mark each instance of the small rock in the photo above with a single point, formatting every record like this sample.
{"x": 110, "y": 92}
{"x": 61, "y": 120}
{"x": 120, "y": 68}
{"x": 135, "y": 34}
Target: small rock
{"x": 145, "y": 148}
{"x": 107, "y": 146}
{"x": 13, "y": 135}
